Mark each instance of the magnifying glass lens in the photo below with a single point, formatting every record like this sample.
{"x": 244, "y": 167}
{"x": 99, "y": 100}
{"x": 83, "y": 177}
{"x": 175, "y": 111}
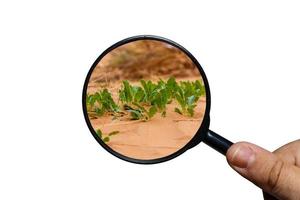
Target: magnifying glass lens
{"x": 145, "y": 99}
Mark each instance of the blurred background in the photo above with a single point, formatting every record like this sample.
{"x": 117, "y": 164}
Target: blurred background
{"x": 144, "y": 59}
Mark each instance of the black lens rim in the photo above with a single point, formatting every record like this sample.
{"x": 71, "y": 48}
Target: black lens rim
{"x": 197, "y": 137}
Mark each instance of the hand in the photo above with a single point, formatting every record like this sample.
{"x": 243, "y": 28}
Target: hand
{"x": 277, "y": 173}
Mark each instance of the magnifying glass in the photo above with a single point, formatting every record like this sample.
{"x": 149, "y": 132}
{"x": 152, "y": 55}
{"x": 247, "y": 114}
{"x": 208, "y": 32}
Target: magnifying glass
{"x": 146, "y": 100}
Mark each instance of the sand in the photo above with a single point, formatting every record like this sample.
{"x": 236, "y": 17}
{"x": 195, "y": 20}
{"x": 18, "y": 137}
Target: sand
{"x": 156, "y": 138}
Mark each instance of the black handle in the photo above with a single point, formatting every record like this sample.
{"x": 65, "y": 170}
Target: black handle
{"x": 217, "y": 142}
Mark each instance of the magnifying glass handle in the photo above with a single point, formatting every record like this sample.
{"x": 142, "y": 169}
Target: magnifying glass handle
{"x": 217, "y": 142}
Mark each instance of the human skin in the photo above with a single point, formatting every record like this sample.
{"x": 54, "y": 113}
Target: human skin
{"x": 276, "y": 173}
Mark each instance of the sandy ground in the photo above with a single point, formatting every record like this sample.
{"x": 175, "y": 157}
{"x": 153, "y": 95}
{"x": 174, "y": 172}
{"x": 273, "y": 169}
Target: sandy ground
{"x": 156, "y": 138}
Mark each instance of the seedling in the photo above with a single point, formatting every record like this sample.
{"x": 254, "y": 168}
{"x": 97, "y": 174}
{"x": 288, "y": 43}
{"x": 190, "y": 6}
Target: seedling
{"x": 187, "y": 94}
{"x": 129, "y": 93}
{"x": 143, "y": 102}
{"x": 101, "y": 102}
{"x": 138, "y": 111}
{"x": 106, "y": 139}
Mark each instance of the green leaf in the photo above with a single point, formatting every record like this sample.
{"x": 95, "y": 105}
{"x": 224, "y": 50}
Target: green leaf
{"x": 106, "y": 139}
{"x": 128, "y": 91}
{"x": 139, "y": 95}
{"x": 152, "y": 111}
{"x": 99, "y": 111}
{"x": 171, "y": 82}
{"x": 135, "y": 114}
{"x": 90, "y": 100}
{"x": 180, "y": 100}
{"x": 191, "y": 100}
{"x": 99, "y": 133}
{"x": 113, "y": 133}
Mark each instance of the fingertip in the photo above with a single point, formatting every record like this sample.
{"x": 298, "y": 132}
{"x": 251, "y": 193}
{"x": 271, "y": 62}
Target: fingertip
{"x": 240, "y": 154}
{"x": 231, "y": 151}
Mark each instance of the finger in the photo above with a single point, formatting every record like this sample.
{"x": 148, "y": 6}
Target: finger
{"x": 265, "y": 169}
{"x": 290, "y": 153}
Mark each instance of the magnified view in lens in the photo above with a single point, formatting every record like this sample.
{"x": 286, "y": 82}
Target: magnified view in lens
{"x": 146, "y": 99}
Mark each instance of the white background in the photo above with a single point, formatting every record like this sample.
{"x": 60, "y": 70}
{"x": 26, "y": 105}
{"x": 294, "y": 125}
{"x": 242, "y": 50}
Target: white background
{"x": 248, "y": 49}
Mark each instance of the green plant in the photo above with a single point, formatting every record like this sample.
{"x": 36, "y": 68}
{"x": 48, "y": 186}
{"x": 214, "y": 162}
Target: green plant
{"x": 138, "y": 111}
{"x": 159, "y": 94}
{"x": 143, "y": 102}
{"x": 170, "y": 87}
{"x": 161, "y": 99}
{"x": 150, "y": 91}
{"x": 101, "y": 102}
{"x": 106, "y": 139}
{"x": 187, "y": 94}
{"x": 129, "y": 93}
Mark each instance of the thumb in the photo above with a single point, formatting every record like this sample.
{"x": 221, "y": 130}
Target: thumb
{"x": 265, "y": 169}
